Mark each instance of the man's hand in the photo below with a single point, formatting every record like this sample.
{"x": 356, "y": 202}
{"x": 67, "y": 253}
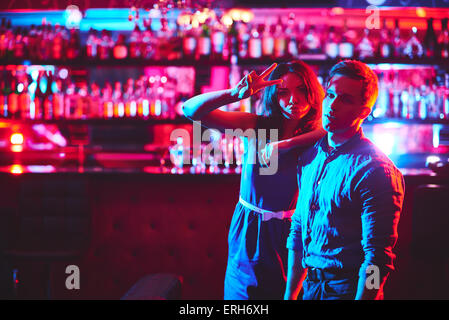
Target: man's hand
{"x": 252, "y": 83}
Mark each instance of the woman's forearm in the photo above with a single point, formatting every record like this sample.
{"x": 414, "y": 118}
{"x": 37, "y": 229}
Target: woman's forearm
{"x": 302, "y": 140}
{"x": 197, "y": 107}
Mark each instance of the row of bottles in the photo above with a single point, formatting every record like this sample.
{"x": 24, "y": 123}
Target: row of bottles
{"x": 49, "y": 97}
{"x": 287, "y": 38}
{"x": 412, "y": 100}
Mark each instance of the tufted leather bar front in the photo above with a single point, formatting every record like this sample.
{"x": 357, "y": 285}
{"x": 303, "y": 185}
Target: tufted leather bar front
{"x": 120, "y": 228}
{"x": 136, "y": 225}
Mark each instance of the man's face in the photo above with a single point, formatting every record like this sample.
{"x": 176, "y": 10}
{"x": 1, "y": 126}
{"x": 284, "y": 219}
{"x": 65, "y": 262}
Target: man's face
{"x": 343, "y": 105}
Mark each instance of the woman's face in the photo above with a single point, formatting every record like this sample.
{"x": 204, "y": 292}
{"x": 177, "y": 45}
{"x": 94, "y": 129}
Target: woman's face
{"x": 292, "y": 97}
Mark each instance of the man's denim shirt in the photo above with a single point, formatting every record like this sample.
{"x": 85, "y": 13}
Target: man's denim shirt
{"x": 348, "y": 206}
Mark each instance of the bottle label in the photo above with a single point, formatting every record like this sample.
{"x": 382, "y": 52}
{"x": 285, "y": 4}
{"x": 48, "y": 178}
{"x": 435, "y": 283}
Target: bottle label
{"x": 204, "y": 46}
{"x": 267, "y": 46}
{"x": 255, "y": 48}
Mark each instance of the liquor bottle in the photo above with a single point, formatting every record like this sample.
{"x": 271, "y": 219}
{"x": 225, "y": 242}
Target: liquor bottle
{"x": 58, "y": 46}
{"x": 218, "y": 41}
{"x": 13, "y": 98}
{"x": 24, "y": 99}
{"x": 413, "y": 47}
{"x": 204, "y": 43}
{"x": 430, "y": 40}
{"x": 3, "y": 96}
{"x": 31, "y": 48}
{"x": 108, "y": 104}
{"x": 44, "y": 43}
{"x": 92, "y": 44}
{"x": 71, "y": 101}
{"x": 58, "y": 100}
{"x": 443, "y": 40}
{"x": 243, "y": 38}
{"x": 267, "y": 41}
{"x": 385, "y": 49}
{"x": 230, "y": 52}
{"x": 9, "y": 40}
{"x": 84, "y": 106}
{"x": 19, "y": 44}
{"x": 311, "y": 43}
{"x": 38, "y": 100}
{"x": 120, "y": 51}
{"x": 3, "y": 39}
{"x": 48, "y": 97}
{"x": 117, "y": 98}
{"x": 105, "y": 45}
{"x": 345, "y": 47}
{"x": 280, "y": 42}
{"x": 135, "y": 43}
{"x": 146, "y": 50}
{"x": 129, "y": 99}
{"x": 396, "y": 42}
{"x": 254, "y": 44}
{"x": 189, "y": 44}
{"x": 73, "y": 47}
{"x": 292, "y": 43}
{"x": 331, "y": 46}
{"x": 365, "y": 48}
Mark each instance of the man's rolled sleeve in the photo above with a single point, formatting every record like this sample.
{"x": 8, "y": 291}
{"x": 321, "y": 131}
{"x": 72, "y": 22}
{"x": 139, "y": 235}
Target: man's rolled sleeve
{"x": 381, "y": 194}
{"x": 294, "y": 240}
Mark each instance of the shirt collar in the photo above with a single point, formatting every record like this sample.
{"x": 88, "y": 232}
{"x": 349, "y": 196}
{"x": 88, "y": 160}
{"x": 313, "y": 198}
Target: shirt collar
{"x": 348, "y": 144}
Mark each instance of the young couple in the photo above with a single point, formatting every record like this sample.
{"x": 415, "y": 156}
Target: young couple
{"x": 329, "y": 215}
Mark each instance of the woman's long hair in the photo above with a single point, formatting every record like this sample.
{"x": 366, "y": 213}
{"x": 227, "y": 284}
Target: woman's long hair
{"x": 270, "y": 107}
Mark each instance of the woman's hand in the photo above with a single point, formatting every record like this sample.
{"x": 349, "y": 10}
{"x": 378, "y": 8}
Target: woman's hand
{"x": 252, "y": 83}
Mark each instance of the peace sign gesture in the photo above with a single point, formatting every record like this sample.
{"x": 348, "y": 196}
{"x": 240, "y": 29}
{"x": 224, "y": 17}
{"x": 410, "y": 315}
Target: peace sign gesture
{"x": 251, "y": 83}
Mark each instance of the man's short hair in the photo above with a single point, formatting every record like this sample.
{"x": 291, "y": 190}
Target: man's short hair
{"x": 358, "y": 71}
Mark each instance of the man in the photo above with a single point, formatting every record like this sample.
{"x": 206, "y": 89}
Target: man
{"x": 350, "y": 198}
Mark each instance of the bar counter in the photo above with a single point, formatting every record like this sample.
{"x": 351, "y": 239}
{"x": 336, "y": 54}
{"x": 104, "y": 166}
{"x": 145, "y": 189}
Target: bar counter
{"x": 119, "y": 225}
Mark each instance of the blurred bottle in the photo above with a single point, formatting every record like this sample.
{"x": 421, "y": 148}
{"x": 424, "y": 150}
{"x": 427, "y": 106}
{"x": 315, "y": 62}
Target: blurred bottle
{"x": 58, "y": 100}
{"x": 385, "y": 49}
{"x": 267, "y": 41}
{"x": 413, "y": 47}
{"x": 120, "y": 50}
{"x": 20, "y": 44}
{"x": 365, "y": 48}
{"x": 255, "y": 44}
{"x": 58, "y": 46}
{"x": 92, "y": 44}
{"x": 189, "y": 44}
{"x": 105, "y": 45}
{"x": 48, "y": 97}
{"x": 84, "y": 108}
{"x": 331, "y": 46}
{"x": 135, "y": 45}
{"x": 204, "y": 43}
{"x": 24, "y": 98}
{"x": 290, "y": 32}
{"x": 32, "y": 42}
{"x": 280, "y": 42}
{"x": 73, "y": 47}
{"x": 9, "y": 40}
{"x": 396, "y": 42}
{"x": 108, "y": 104}
{"x": 243, "y": 38}
{"x": 129, "y": 99}
{"x": 117, "y": 98}
{"x": 146, "y": 49}
{"x": 345, "y": 47}
{"x": 430, "y": 42}
{"x": 230, "y": 51}
{"x": 96, "y": 106}
{"x": 3, "y": 95}
{"x": 443, "y": 40}
{"x": 218, "y": 41}
{"x": 44, "y": 44}
{"x": 13, "y": 97}
{"x": 71, "y": 101}
{"x": 3, "y": 39}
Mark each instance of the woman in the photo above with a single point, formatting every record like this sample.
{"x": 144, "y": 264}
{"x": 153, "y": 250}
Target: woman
{"x": 257, "y": 256}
